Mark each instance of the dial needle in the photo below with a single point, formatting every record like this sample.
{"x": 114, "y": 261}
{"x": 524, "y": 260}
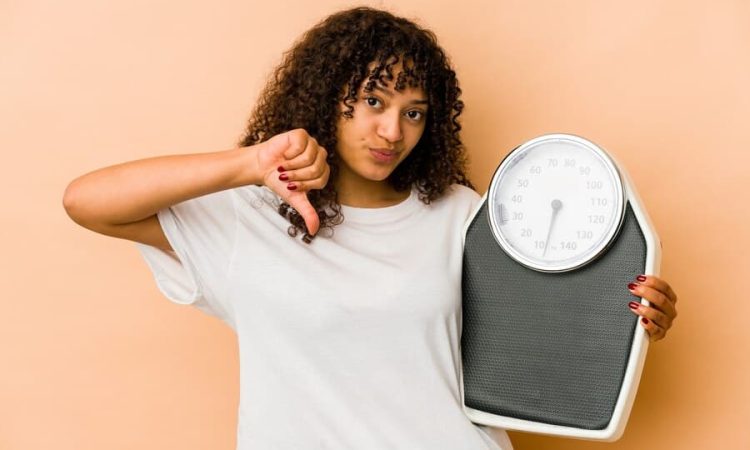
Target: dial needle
{"x": 556, "y": 205}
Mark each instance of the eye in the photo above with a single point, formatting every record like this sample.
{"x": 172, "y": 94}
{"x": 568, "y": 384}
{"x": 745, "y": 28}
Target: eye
{"x": 415, "y": 115}
{"x": 373, "y": 101}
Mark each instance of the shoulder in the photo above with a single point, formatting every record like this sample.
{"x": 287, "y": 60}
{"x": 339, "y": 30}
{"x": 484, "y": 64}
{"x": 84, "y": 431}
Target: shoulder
{"x": 226, "y": 207}
{"x": 458, "y": 201}
{"x": 459, "y": 195}
{"x": 211, "y": 207}
{"x": 257, "y": 196}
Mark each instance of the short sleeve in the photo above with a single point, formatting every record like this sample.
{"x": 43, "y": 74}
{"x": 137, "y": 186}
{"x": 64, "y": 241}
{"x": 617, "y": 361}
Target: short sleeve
{"x": 202, "y": 232}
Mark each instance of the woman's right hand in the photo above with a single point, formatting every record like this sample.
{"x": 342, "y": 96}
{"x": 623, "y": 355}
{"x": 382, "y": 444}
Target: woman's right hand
{"x": 291, "y": 164}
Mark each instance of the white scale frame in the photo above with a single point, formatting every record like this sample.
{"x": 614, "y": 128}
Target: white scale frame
{"x": 639, "y": 347}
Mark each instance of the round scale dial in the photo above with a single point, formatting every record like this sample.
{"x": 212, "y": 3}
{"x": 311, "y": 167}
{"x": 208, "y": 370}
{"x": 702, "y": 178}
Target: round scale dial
{"x": 556, "y": 202}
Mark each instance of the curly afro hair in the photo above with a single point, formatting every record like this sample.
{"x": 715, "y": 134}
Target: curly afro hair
{"x": 326, "y": 68}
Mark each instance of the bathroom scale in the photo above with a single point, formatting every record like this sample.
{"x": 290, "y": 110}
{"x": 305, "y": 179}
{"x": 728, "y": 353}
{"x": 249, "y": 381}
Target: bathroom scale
{"x": 549, "y": 344}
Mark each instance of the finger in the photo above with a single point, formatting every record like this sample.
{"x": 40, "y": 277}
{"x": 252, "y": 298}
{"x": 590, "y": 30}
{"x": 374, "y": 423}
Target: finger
{"x": 655, "y": 332}
{"x": 299, "y": 141}
{"x": 304, "y": 158}
{"x": 309, "y": 185}
{"x": 302, "y": 205}
{"x": 296, "y": 196}
{"x": 308, "y": 173}
{"x": 297, "y": 199}
{"x": 326, "y": 175}
{"x": 660, "y": 285}
{"x": 652, "y": 314}
{"x": 277, "y": 145}
{"x": 656, "y": 298}
{"x": 316, "y": 183}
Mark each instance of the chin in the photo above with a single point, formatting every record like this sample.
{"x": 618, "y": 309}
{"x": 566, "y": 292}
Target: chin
{"x": 379, "y": 177}
{"x": 370, "y": 170}
{"x": 380, "y": 173}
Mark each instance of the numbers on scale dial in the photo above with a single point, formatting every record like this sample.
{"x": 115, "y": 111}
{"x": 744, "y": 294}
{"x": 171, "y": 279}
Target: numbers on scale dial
{"x": 554, "y": 208}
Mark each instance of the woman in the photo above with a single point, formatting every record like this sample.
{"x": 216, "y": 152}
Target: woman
{"x": 349, "y": 339}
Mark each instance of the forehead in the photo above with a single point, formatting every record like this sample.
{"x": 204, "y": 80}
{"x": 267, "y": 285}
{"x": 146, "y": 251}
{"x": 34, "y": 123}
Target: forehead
{"x": 413, "y": 95}
{"x": 395, "y": 78}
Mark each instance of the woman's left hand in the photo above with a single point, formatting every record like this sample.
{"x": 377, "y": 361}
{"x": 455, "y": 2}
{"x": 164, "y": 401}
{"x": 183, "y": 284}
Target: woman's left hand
{"x": 658, "y": 316}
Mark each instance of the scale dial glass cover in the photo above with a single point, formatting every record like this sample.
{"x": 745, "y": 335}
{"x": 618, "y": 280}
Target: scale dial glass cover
{"x": 556, "y": 202}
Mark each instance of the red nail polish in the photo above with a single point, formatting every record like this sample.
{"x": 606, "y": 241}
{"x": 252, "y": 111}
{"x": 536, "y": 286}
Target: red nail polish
{"x": 291, "y": 186}
{"x": 632, "y": 286}
{"x": 634, "y": 305}
{"x": 641, "y": 278}
{"x": 644, "y": 320}
{"x": 283, "y": 177}
{"x": 281, "y": 169}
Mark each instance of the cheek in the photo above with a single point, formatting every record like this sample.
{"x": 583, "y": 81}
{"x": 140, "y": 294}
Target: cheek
{"x": 349, "y": 136}
{"x": 344, "y": 128}
{"x": 414, "y": 134}
{"x": 358, "y": 127}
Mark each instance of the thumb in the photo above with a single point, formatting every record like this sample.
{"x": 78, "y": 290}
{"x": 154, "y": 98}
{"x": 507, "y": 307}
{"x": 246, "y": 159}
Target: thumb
{"x": 302, "y": 205}
{"x": 279, "y": 144}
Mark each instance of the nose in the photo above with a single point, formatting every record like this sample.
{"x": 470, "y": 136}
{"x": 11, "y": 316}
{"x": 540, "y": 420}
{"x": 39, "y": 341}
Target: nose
{"x": 389, "y": 126}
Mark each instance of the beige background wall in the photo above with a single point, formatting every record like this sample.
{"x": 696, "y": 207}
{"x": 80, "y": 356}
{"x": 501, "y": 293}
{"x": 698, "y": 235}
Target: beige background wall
{"x": 93, "y": 357}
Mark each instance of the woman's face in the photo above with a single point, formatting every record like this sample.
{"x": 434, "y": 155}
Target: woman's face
{"x": 385, "y": 127}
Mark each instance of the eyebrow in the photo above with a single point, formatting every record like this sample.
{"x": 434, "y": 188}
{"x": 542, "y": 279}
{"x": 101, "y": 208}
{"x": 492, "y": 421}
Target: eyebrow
{"x": 390, "y": 94}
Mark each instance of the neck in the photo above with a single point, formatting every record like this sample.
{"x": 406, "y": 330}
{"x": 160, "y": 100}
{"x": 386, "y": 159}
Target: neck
{"x": 361, "y": 193}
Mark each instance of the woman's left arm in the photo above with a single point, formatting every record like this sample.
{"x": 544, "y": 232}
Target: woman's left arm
{"x": 657, "y": 317}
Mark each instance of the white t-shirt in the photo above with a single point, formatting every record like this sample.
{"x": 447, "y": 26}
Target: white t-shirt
{"x": 350, "y": 342}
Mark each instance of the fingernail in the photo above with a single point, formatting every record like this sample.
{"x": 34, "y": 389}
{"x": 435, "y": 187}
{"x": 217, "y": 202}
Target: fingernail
{"x": 291, "y": 186}
{"x": 634, "y": 305}
{"x": 641, "y": 278}
{"x": 632, "y": 286}
{"x": 281, "y": 169}
{"x": 644, "y": 320}
{"x": 283, "y": 177}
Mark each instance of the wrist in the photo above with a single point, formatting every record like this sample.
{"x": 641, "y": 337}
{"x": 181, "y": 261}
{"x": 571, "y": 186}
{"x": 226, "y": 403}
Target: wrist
{"x": 248, "y": 169}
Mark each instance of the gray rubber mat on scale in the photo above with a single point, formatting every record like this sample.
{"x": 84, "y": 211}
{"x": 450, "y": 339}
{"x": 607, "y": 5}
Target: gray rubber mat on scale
{"x": 549, "y": 348}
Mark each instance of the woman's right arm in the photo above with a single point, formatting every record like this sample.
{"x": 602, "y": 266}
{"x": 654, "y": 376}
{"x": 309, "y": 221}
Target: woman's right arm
{"x": 122, "y": 200}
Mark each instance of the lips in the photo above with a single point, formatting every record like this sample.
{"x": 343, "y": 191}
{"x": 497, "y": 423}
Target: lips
{"x": 384, "y": 154}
